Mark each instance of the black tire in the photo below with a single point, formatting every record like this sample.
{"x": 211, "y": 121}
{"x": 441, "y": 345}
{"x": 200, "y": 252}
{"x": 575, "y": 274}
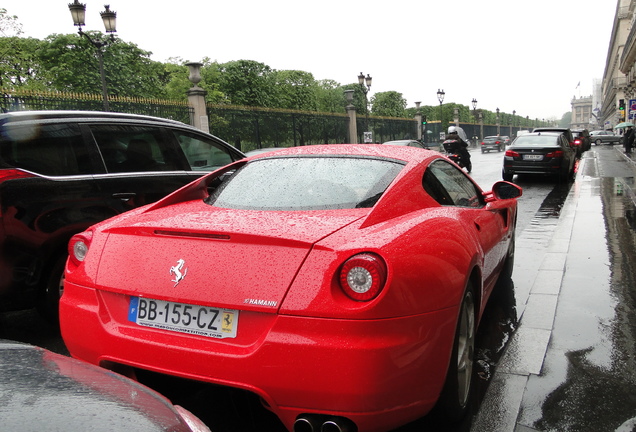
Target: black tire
{"x": 469, "y": 166}
{"x": 509, "y": 262}
{"x": 565, "y": 176}
{"x": 455, "y": 397}
{"x": 506, "y": 176}
{"x": 49, "y": 300}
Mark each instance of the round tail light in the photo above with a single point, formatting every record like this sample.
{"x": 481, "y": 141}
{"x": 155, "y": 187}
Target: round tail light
{"x": 363, "y": 276}
{"x": 78, "y": 246}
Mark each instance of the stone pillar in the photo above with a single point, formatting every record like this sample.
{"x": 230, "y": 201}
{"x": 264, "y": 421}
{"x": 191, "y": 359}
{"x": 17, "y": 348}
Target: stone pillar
{"x": 481, "y": 125}
{"x": 196, "y": 98}
{"x": 351, "y": 112}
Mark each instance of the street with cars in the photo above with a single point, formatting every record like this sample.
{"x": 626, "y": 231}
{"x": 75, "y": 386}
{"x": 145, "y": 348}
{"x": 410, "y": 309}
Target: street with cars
{"x": 301, "y": 312}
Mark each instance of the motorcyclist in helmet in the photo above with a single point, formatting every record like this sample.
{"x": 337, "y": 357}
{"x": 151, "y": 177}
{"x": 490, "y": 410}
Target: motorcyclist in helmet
{"x": 454, "y": 144}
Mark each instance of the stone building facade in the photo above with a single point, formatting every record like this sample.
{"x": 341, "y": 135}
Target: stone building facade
{"x": 619, "y": 78}
{"x": 582, "y": 117}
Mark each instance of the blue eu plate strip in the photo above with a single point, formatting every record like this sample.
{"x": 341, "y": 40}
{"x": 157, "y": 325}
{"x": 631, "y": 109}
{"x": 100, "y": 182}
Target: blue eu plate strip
{"x": 132, "y": 310}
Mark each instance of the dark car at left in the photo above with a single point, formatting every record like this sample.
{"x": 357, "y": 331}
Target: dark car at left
{"x": 46, "y": 391}
{"x": 540, "y": 153}
{"x": 63, "y": 171}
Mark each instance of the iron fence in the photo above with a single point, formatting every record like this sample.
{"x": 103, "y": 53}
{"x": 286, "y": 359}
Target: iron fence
{"x": 387, "y": 128}
{"x": 26, "y": 100}
{"x": 247, "y": 128}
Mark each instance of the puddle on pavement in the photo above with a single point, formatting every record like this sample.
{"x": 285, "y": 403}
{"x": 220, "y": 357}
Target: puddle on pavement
{"x": 540, "y": 229}
{"x": 588, "y": 378}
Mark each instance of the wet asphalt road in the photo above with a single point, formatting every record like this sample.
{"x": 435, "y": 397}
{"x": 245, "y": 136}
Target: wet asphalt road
{"x": 600, "y": 357}
{"x": 570, "y": 364}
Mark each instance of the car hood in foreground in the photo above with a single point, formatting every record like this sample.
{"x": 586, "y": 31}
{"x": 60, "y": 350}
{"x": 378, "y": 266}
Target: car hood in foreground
{"x": 45, "y": 391}
{"x": 226, "y": 258}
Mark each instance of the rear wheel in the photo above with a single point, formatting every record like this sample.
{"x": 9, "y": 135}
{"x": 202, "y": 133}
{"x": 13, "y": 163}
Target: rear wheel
{"x": 509, "y": 262}
{"x": 49, "y": 301}
{"x": 506, "y": 176}
{"x": 459, "y": 379}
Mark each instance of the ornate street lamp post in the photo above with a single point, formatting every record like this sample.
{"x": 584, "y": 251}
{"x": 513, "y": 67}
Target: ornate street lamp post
{"x": 362, "y": 80}
{"x": 440, "y": 98}
{"x": 78, "y": 12}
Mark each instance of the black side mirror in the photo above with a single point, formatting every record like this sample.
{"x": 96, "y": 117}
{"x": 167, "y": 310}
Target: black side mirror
{"x": 506, "y": 190}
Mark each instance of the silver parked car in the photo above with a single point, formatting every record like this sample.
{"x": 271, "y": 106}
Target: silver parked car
{"x": 604, "y": 137}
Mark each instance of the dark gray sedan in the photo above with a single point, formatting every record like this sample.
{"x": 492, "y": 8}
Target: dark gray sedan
{"x": 492, "y": 143}
{"x": 44, "y": 391}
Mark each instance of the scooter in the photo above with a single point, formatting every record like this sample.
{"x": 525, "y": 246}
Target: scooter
{"x": 463, "y": 162}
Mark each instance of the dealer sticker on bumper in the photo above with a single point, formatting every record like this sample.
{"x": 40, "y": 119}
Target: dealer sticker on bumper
{"x": 184, "y": 318}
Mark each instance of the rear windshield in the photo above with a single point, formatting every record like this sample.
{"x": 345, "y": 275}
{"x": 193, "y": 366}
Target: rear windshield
{"x": 306, "y": 183}
{"x": 537, "y": 140}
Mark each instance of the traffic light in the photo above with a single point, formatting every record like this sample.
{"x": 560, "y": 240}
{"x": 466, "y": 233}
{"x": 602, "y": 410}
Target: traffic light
{"x": 621, "y": 104}
{"x": 423, "y": 120}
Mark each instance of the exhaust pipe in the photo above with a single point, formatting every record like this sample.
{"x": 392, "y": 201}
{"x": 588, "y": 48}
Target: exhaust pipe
{"x": 321, "y": 423}
{"x": 307, "y": 423}
{"x": 337, "y": 424}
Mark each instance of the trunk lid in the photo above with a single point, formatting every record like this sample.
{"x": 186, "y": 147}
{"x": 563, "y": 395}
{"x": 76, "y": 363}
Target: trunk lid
{"x": 198, "y": 254}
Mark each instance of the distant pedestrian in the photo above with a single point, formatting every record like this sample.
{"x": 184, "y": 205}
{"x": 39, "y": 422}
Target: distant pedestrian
{"x": 628, "y": 140}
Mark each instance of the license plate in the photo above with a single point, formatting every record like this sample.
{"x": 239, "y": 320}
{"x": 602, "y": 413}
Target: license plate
{"x": 534, "y": 157}
{"x": 184, "y": 318}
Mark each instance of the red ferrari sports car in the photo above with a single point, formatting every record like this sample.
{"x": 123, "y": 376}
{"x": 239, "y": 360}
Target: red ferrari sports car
{"x": 343, "y": 284}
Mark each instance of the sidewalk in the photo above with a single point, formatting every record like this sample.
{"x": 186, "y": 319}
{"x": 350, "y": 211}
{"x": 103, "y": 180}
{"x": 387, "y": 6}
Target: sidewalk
{"x": 537, "y": 363}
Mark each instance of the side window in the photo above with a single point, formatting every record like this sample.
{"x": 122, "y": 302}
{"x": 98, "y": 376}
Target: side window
{"x": 203, "y": 154}
{"x": 450, "y": 187}
{"x": 130, "y": 148}
{"x": 564, "y": 142}
{"x": 52, "y": 149}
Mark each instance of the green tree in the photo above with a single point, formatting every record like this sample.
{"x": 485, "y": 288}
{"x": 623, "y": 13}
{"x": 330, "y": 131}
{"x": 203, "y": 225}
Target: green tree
{"x": 330, "y": 97}
{"x": 19, "y": 64}
{"x": 9, "y": 25}
{"x": 389, "y": 104}
{"x": 566, "y": 119}
{"x": 71, "y": 64}
{"x": 247, "y": 82}
{"x": 294, "y": 90}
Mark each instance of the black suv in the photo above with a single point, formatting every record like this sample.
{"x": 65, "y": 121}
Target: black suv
{"x": 62, "y": 171}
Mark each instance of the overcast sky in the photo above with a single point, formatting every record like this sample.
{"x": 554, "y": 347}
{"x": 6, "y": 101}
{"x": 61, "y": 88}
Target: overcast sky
{"x": 521, "y": 55}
